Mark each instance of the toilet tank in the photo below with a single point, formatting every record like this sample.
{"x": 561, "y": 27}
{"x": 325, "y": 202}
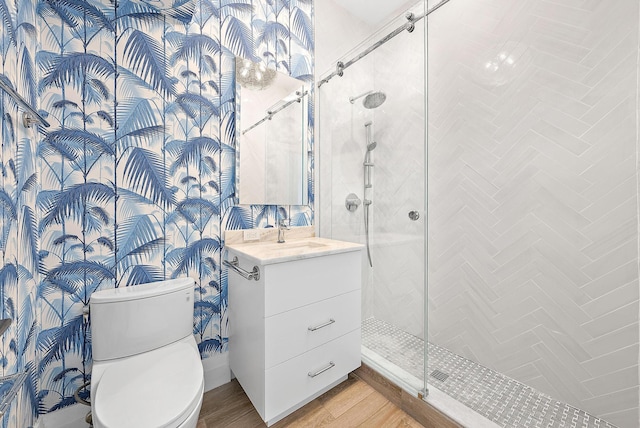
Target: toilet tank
{"x": 131, "y": 320}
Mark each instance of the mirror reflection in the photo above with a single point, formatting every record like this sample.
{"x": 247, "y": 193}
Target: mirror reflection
{"x": 271, "y": 124}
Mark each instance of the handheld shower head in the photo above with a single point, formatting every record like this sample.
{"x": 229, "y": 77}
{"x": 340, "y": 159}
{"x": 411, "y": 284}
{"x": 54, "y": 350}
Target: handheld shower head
{"x": 372, "y": 146}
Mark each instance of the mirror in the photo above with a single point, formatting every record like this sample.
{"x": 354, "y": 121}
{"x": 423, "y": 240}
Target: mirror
{"x": 271, "y": 129}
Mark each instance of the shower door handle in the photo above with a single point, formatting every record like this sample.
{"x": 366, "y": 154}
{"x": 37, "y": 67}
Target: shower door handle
{"x": 414, "y": 215}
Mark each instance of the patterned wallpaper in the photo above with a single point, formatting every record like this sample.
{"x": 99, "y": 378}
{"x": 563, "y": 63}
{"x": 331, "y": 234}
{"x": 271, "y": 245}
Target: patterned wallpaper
{"x": 19, "y": 262}
{"x": 135, "y": 179}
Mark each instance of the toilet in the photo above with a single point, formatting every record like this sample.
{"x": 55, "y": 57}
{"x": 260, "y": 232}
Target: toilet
{"x": 147, "y": 371}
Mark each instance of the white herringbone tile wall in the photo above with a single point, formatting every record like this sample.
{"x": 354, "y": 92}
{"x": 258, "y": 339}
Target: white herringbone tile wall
{"x": 533, "y": 244}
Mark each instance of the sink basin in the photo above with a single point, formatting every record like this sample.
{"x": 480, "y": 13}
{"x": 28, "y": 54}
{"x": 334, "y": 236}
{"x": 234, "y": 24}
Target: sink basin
{"x": 300, "y": 244}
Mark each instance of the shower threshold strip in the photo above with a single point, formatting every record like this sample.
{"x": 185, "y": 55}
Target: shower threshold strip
{"x": 499, "y": 398}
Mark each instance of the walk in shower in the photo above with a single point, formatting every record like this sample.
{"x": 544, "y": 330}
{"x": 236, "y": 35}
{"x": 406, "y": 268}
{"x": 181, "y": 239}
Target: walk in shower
{"x": 496, "y": 189}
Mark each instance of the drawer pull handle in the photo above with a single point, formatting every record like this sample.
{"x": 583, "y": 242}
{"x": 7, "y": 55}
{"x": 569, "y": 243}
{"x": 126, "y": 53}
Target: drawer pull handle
{"x": 322, "y": 370}
{"x": 326, "y": 324}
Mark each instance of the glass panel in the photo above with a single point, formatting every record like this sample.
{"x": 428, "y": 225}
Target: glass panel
{"x": 372, "y": 133}
{"x": 533, "y": 210}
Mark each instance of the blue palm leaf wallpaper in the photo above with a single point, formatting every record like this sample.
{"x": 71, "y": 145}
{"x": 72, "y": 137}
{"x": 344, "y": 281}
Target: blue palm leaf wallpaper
{"x": 135, "y": 179}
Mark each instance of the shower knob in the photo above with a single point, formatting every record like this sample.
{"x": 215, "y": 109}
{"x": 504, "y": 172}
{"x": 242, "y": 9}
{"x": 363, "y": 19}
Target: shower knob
{"x": 414, "y": 215}
{"x": 352, "y": 202}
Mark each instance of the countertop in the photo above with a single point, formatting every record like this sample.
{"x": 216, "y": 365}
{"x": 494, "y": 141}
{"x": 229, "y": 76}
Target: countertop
{"x": 270, "y": 252}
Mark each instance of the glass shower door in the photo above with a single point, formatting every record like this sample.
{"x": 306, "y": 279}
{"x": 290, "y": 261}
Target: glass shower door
{"x": 372, "y": 159}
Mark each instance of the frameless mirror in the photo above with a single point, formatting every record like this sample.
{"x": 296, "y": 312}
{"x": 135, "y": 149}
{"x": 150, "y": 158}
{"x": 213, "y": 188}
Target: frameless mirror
{"x": 271, "y": 125}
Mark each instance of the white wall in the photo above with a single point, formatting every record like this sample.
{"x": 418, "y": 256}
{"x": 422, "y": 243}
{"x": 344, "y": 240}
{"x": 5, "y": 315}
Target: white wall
{"x": 337, "y": 32}
{"x": 533, "y": 250}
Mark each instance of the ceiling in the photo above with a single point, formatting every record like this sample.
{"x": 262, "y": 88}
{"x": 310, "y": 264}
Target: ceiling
{"x": 374, "y": 11}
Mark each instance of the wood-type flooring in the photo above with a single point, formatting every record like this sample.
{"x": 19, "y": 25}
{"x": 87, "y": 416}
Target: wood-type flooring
{"x": 353, "y": 403}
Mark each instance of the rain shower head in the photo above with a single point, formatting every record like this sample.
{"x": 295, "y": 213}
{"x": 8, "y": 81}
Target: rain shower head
{"x": 374, "y": 100}
{"x": 371, "y": 99}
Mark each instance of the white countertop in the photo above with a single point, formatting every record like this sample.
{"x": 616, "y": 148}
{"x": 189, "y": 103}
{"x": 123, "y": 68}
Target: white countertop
{"x": 270, "y": 252}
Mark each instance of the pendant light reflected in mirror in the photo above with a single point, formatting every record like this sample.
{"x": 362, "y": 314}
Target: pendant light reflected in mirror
{"x": 252, "y": 75}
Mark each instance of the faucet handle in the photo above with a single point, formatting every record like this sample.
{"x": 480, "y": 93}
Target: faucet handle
{"x": 282, "y": 226}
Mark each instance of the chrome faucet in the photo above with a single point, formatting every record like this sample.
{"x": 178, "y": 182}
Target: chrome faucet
{"x": 282, "y": 226}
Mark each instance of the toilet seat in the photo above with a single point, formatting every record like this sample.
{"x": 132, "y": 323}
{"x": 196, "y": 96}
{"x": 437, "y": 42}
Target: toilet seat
{"x": 158, "y": 389}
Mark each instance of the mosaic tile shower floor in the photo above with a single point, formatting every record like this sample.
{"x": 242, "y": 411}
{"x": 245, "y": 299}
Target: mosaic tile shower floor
{"x": 503, "y": 400}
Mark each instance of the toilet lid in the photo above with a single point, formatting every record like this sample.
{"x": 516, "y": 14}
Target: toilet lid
{"x": 156, "y": 390}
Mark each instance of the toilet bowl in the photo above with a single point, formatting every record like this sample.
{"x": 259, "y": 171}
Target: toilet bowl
{"x": 147, "y": 371}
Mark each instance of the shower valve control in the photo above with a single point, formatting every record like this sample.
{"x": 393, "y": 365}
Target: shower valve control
{"x": 414, "y": 215}
{"x": 352, "y": 202}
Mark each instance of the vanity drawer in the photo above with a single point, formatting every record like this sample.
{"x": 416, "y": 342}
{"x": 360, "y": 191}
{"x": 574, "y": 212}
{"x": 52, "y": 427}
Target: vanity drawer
{"x": 294, "y": 332}
{"x": 302, "y": 282}
{"x": 290, "y": 381}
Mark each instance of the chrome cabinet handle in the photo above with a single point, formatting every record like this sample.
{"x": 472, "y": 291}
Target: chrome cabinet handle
{"x": 414, "y": 215}
{"x": 318, "y": 327}
{"x": 322, "y": 370}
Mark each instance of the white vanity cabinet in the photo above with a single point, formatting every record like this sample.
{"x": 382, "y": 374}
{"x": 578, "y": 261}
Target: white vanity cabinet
{"x": 294, "y": 333}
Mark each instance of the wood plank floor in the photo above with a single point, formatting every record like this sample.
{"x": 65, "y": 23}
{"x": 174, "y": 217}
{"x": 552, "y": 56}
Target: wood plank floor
{"x": 353, "y": 403}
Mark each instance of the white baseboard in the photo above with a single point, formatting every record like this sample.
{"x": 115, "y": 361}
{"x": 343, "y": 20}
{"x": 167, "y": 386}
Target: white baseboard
{"x": 69, "y": 417}
{"x": 216, "y": 371}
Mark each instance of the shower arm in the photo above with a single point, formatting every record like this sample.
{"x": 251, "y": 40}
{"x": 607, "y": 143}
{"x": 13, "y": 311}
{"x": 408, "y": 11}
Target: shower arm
{"x": 409, "y": 26}
{"x": 353, "y": 99}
